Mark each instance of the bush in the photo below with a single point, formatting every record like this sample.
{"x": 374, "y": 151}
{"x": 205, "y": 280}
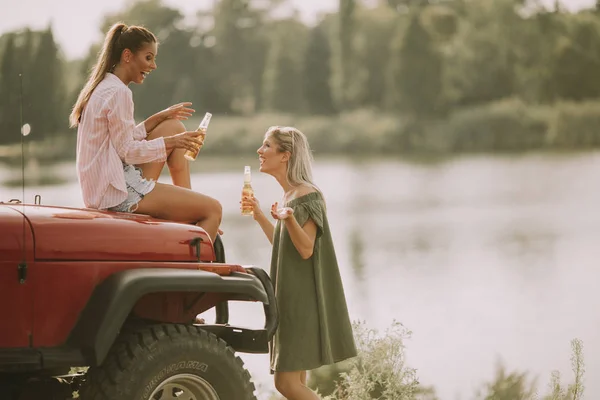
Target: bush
{"x": 575, "y": 390}
{"x": 361, "y": 131}
{"x": 515, "y": 386}
{"x": 575, "y": 125}
{"x": 380, "y": 370}
{"x": 508, "y": 125}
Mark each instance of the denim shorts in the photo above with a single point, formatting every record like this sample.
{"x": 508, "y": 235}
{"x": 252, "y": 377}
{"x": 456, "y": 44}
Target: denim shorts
{"x": 137, "y": 188}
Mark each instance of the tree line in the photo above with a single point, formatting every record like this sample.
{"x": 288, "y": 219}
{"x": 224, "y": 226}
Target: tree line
{"x": 416, "y": 59}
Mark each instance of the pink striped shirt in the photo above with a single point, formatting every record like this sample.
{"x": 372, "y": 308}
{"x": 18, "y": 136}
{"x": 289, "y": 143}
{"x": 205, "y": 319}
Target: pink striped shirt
{"x": 107, "y": 137}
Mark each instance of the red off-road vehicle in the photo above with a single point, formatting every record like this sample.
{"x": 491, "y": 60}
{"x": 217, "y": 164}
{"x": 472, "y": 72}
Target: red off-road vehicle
{"x": 119, "y": 293}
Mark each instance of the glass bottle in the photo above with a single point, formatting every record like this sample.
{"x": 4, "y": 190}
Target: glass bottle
{"x": 191, "y": 155}
{"x": 247, "y": 190}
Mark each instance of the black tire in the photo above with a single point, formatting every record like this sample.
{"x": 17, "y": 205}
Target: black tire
{"x": 23, "y": 387}
{"x": 142, "y": 361}
{"x": 11, "y": 386}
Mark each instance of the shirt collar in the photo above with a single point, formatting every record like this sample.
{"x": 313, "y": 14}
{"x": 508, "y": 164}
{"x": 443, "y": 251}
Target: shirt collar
{"x": 114, "y": 78}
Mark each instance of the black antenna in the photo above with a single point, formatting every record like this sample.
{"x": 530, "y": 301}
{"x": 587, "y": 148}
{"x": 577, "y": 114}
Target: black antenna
{"x": 22, "y": 138}
{"x": 22, "y": 268}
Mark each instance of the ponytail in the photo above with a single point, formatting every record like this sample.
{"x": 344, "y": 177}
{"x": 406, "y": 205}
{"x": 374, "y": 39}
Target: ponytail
{"x": 106, "y": 59}
{"x": 118, "y": 38}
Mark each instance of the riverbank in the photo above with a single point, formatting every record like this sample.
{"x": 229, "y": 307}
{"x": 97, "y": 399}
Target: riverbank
{"x": 506, "y": 126}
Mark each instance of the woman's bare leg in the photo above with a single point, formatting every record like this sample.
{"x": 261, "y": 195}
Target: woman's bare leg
{"x": 179, "y": 204}
{"x": 303, "y": 377}
{"x": 290, "y": 385}
{"x": 179, "y": 167}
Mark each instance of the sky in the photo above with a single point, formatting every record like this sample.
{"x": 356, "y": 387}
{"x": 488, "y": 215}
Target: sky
{"x": 76, "y": 23}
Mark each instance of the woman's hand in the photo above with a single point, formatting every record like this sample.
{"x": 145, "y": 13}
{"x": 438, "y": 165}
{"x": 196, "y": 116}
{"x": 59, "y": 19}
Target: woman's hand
{"x": 254, "y": 204}
{"x": 189, "y": 140}
{"x": 257, "y": 214}
{"x": 281, "y": 213}
{"x": 179, "y": 111}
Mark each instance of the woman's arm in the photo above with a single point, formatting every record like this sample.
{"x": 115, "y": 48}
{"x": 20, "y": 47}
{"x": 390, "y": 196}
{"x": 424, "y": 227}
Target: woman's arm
{"x": 179, "y": 111}
{"x": 152, "y": 122}
{"x": 303, "y": 237}
{"x": 122, "y": 128}
{"x": 266, "y": 225}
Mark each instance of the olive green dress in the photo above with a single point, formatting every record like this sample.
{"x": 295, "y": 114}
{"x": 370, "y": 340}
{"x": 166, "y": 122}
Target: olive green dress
{"x": 314, "y": 326}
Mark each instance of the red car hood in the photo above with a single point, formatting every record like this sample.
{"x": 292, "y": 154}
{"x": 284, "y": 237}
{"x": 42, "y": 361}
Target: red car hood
{"x": 85, "y": 234}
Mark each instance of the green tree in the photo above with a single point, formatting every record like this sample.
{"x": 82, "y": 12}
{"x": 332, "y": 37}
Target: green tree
{"x": 16, "y": 88}
{"x": 27, "y": 41}
{"x": 317, "y": 73}
{"x": 240, "y": 52}
{"x": 416, "y": 71}
{"x": 575, "y": 70}
{"x": 344, "y": 60}
{"x": 283, "y": 89}
{"x": 153, "y": 14}
{"x": 9, "y": 92}
{"x": 176, "y": 60}
{"x": 80, "y": 70}
{"x": 538, "y": 39}
{"x": 404, "y": 4}
{"x": 47, "y": 111}
{"x": 374, "y": 28}
{"x": 441, "y": 22}
{"x": 482, "y": 62}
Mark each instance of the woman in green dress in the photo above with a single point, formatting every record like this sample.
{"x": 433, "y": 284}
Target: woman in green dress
{"x": 314, "y": 325}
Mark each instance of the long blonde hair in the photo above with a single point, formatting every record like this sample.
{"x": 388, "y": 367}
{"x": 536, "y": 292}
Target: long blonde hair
{"x": 118, "y": 38}
{"x": 299, "y": 169}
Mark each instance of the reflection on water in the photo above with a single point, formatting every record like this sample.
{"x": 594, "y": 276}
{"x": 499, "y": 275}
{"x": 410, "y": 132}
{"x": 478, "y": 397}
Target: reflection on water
{"x": 357, "y": 249}
{"x": 483, "y": 258}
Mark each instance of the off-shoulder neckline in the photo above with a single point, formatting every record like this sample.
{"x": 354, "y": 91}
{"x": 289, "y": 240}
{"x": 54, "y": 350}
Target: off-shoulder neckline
{"x": 305, "y": 197}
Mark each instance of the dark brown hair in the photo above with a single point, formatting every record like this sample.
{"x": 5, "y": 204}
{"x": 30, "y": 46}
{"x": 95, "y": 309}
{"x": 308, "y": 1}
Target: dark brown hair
{"x": 118, "y": 38}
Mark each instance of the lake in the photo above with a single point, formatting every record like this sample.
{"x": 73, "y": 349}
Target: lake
{"x": 486, "y": 259}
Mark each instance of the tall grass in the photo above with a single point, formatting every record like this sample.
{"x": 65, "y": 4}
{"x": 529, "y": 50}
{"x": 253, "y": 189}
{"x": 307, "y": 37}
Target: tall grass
{"x": 575, "y": 390}
{"x": 381, "y": 372}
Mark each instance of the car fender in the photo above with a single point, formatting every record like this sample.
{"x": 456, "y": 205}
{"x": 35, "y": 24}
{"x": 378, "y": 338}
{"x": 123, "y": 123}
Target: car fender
{"x": 112, "y": 301}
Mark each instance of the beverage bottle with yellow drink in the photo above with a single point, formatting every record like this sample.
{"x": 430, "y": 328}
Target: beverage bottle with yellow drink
{"x": 191, "y": 155}
{"x": 247, "y": 190}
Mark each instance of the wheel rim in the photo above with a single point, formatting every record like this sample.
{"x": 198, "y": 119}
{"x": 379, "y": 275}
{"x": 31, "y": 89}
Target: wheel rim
{"x": 184, "y": 387}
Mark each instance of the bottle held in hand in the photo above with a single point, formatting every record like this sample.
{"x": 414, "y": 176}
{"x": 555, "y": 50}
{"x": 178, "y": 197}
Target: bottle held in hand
{"x": 191, "y": 155}
{"x": 247, "y": 191}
